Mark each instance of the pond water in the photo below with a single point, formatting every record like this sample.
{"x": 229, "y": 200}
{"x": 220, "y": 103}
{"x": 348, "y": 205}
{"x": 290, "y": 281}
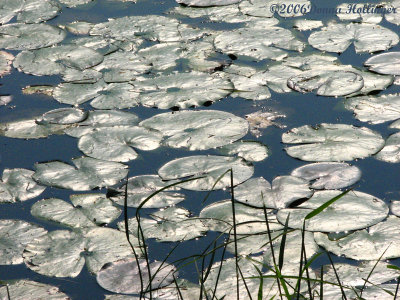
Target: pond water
{"x": 379, "y": 178}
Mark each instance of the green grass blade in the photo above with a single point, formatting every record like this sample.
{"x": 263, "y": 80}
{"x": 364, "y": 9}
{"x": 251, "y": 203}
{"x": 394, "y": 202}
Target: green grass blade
{"x": 321, "y": 287}
{"x": 325, "y": 205}
{"x": 260, "y": 287}
{"x": 283, "y": 243}
{"x": 397, "y": 288}
{"x": 177, "y": 287}
{"x": 337, "y": 276}
{"x": 235, "y": 235}
{"x": 215, "y": 183}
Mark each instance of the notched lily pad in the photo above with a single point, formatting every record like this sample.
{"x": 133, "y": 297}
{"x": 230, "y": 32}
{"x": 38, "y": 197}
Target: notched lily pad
{"x": 30, "y": 129}
{"x": 385, "y": 63}
{"x": 63, "y": 116}
{"x": 33, "y": 290}
{"x": 391, "y": 151}
{"x": 332, "y": 142}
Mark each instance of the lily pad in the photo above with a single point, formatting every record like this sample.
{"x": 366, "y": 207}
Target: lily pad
{"x": 114, "y": 143}
{"x": 355, "y": 210}
{"x": 249, "y": 150}
{"x": 56, "y": 60}
{"x": 249, "y": 220}
{"x": 18, "y": 185}
{"x": 358, "y": 12}
{"x": 19, "y": 36}
{"x": 210, "y": 167}
{"x": 28, "y": 11}
{"x": 14, "y": 236}
{"x": 87, "y": 210}
{"x": 63, "y": 116}
{"x": 329, "y": 175}
{"x": 366, "y": 244}
{"x": 33, "y": 290}
{"x": 73, "y": 3}
{"x": 182, "y": 90}
{"x": 284, "y": 190}
{"x": 393, "y": 16}
{"x": 30, "y": 129}
{"x": 337, "y": 37}
{"x": 141, "y": 187}
{"x": 6, "y": 60}
{"x": 391, "y": 151}
{"x": 198, "y": 130}
{"x": 87, "y": 174}
{"x": 395, "y": 207}
{"x": 385, "y": 63}
{"x": 123, "y": 276}
{"x": 332, "y": 142}
{"x": 63, "y": 253}
{"x": 304, "y": 24}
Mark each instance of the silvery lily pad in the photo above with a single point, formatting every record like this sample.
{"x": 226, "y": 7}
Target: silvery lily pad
{"x": 395, "y": 207}
{"x": 385, "y": 63}
{"x": 366, "y": 37}
{"x": 330, "y": 175}
{"x": 30, "y": 129}
{"x": 6, "y": 60}
{"x": 262, "y": 119}
{"x": 87, "y": 174}
{"x": 155, "y": 55}
{"x": 249, "y": 150}
{"x": 355, "y": 210}
{"x": 358, "y": 12}
{"x": 366, "y": 244}
{"x": 327, "y": 82}
{"x": 181, "y": 90}
{"x": 258, "y": 43}
{"x": 73, "y": 3}
{"x": 304, "y": 25}
{"x": 14, "y": 236}
{"x": 391, "y": 151}
{"x": 375, "y": 109}
{"x": 229, "y": 14}
{"x": 56, "y": 60}
{"x": 28, "y": 11}
{"x": 87, "y": 210}
{"x": 19, "y": 36}
{"x": 248, "y": 219}
{"x": 332, "y": 142}
{"x": 32, "y": 290}
{"x": 63, "y": 253}
{"x": 100, "y": 119}
{"x": 284, "y": 190}
{"x": 207, "y": 2}
{"x": 123, "y": 276}
{"x": 4, "y": 100}
{"x": 114, "y": 143}
{"x": 63, "y": 116}
{"x": 79, "y": 27}
{"x": 210, "y": 167}
{"x": 198, "y": 130}
{"x": 141, "y": 187}
{"x": 18, "y": 185}
{"x": 393, "y": 16}
{"x": 172, "y": 224}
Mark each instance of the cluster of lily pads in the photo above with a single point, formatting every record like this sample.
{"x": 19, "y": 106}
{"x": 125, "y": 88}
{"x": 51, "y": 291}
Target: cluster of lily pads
{"x": 161, "y": 62}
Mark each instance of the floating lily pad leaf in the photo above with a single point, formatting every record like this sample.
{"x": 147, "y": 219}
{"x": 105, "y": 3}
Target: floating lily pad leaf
{"x": 198, "y": 53}
{"x": 375, "y": 109}
{"x": 18, "y": 185}
{"x": 29, "y": 129}
{"x": 182, "y": 90}
{"x": 372, "y": 82}
{"x": 123, "y": 66}
{"x": 395, "y": 124}
{"x": 258, "y": 43}
{"x": 9, "y": 8}
{"x": 358, "y": 12}
{"x": 63, "y": 116}
{"x": 19, "y": 36}
{"x": 385, "y": 63}
{"x": 79, "y": 27}
{"x": 63, "y": 253}
{"x": 260, "y": 120}
{"x": 355, "y": 210}
{"x": 293, "y": 247}
{"x": 33, "y": 290}
{"x": 326, "y": 82}
{"x": 210, "y": 167}
{"x": 395, "y": 207}
{"x": 394, "y": 15}
{"x": 366, "y": 244}
{"x": 228, "y": 14}
{"x": 150, "y": 27}
{"x": 252, "y": 88}
{"x": 187, "y": 290}
{"x": 248, "y": 244}
{"x": 73, "y": 3}
{"x": 124, "y": 297}
{"x": 87, "y": 174}
{"x": 207, "y": 2}
{"x": 75, "y": 94}
{"x": 4, "y": 100}
{"x": 85, "y": 76}
{"x": 172, "y": 224}
{"x": 155, "y": 55}
{"x": 99, "y": 44}
{"x": 114, "y": 143}
{"x": 248, "y": 219}
{"x": 381, "y": 292}
{"x": 337, "y": 37}
{"x": 391, "y": 151}
{"x": 198, "y": 130}
{"x": 28, "y": 11}
{"x": 87, "y": 210}
{"x": 6, "y": 60}
{"x": 123, "y": 276}
{"x": 56, "y": 60}
{"x": 332, "y": 142}
{"x": 284, "y": 190}
{"x": 304, "y": 25}
{"x": 249, "y": 150}
{"x": 267, "y": 8}
{"x": 14, "y": 236}
{"x": 141, "y": 187}
{"x": 329, "y": 175}
{"x": 102, "y": 118}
